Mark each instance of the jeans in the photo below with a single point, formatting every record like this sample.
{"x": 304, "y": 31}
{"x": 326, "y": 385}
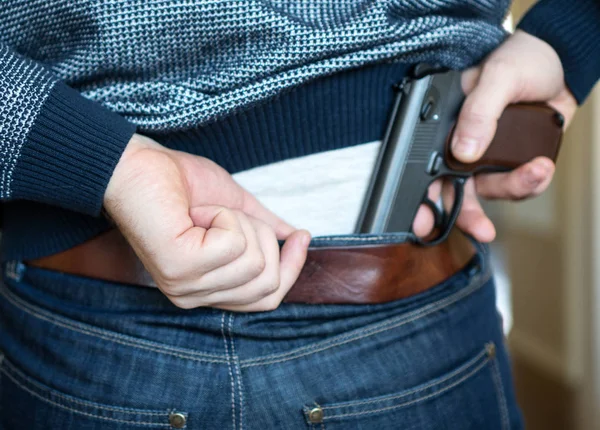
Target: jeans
{"x": 77, "y": 353}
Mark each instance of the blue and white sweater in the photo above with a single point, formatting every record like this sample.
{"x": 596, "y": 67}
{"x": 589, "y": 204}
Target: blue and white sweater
{"x": 243, "y": 82}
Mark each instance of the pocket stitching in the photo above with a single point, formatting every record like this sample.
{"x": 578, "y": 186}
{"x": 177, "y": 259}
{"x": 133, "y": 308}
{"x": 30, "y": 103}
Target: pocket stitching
{"x": 44, "y": 399}
{"x": 435, "y": 393}
{"x": 476, "y": 283}
{"x": 501, "y": 396}
{"x": 8, "y": 368}
{"x": 471, "y": 364}
{"x": 106, "y": 334}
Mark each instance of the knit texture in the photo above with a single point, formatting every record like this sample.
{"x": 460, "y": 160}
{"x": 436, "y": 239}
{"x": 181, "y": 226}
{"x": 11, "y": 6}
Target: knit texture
{"x": 243, "y": 82}
{"x": 24, "y": 86}
{"x": 172, "y": 65}
{"x": 71, "y": 153}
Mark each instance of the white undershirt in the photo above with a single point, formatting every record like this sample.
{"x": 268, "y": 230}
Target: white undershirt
{"x": 322, "y": 192}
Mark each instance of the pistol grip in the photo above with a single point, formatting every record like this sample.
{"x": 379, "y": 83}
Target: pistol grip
{"x": 525, "y": 131}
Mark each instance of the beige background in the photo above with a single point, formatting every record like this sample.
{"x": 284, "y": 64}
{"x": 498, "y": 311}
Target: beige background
{"x": 552, "y": 245}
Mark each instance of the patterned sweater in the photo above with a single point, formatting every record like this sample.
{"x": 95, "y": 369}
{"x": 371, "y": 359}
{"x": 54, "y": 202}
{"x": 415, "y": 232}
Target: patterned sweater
{"x": 78, "y": 78}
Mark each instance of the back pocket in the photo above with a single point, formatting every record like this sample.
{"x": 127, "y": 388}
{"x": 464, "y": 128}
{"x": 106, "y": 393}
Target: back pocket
{"x": 27, "y": 403}
{"x": 469, "y": 397}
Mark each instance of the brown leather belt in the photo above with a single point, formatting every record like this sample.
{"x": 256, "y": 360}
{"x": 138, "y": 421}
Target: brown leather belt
{"x": 359, "y": 274}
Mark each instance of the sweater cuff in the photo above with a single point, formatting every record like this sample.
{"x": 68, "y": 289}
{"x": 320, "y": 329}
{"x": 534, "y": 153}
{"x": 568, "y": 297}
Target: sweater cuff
{"x": 572, "y": 28}
{"x": 70, "y": 152}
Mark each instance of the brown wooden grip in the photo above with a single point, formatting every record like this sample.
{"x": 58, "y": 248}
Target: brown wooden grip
{"x": 525, "y": 131}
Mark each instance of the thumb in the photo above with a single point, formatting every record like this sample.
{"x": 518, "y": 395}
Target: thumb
{"x": 481, "y": 110}
{"x": 253, "y": 207}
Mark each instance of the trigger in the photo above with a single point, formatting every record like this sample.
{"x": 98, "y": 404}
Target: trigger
{"x": 447, "y": 220}
{"x": 438, "y": 215}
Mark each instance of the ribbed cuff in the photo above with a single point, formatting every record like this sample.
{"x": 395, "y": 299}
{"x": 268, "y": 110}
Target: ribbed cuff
{"x": 70, "y": 152}
{"x": 572, "y": 28}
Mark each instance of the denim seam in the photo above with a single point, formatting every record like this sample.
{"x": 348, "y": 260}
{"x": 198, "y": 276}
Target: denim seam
{"x": 477, "y": 283}
{"x": 501, "y": 395}
{"x": 100, "y": 417}
{"x": 106, "y": 335}
{"x": 461, "y": 369}
{"x": 236, "y": 366}
{"x": 230, "y": 371}
{"x": 420, "y": 399}
{"x": 8, "y": 367}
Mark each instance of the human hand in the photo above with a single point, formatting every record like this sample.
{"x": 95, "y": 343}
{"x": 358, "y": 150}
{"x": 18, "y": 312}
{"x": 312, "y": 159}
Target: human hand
{"x": 523, "y": 68}
{"x": 203, "y": 238}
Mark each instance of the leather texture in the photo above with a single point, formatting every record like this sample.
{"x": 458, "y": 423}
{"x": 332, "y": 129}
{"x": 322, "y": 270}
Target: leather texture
{"x": 364, "y": 274}
{"x": 525, "y": 131}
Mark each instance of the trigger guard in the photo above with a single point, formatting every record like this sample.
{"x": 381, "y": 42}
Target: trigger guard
{"x": 448, "y": 219}
{"x": 438, "y": 215}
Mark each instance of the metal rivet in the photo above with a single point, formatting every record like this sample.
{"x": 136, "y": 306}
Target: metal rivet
{"x": 490, "y": 350}
{"x": 177, "y": 420}
{"x": 315, "y": 415}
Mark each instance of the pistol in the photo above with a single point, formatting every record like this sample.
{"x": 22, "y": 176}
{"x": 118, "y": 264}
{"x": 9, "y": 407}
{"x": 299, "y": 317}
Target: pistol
{"x": 416, "y": 151}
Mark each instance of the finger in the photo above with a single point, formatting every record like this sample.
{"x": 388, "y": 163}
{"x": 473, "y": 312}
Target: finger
{"x": 481, "y": 110}
{"x": 216, "y": 239}
{"x": 292, "y": 258}
{"x": 469, "y": 79}
{"x": 255, "y": 209}
{"x": 528, "y": 180}
{"x": 240, "y": 271}
{"x": 424, "y": 219}
{"x": 265, "y": 284}
{"x": 472, "y": 218}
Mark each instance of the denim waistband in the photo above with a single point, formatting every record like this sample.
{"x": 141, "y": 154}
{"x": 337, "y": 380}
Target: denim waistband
{"x": 84, "y": 298}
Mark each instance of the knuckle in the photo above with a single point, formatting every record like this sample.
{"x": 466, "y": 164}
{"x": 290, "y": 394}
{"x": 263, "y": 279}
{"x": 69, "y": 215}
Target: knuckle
{"x": 475, "y": 114}
{"x": 499, "y": 66}
{"x": 268, "y": 289}
{"x": 182, "y": 302}
{"x": 258, "y": 265}
{"x": 236, "y": 244}
{"x": 170, "y": 275}
{"x": 273, "y": 283}
{"x": 271, "y": 303}
{"x": 518, "y": 194}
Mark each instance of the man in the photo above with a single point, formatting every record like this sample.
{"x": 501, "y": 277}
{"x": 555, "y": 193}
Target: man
{"x": 280, "y": 94}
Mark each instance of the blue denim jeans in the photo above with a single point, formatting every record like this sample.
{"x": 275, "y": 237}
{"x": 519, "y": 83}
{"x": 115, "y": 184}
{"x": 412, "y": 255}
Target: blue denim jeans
{"x": 77, "y": 353}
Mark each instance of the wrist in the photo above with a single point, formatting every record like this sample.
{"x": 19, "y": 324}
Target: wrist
{"x": 125, "y": 171}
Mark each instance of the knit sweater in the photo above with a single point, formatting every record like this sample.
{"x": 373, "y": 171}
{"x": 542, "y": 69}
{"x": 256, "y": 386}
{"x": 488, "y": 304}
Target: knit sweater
{"x": 244, "y": 83}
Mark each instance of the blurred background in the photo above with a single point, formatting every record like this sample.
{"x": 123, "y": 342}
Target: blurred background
{"x": 547, "y": 258}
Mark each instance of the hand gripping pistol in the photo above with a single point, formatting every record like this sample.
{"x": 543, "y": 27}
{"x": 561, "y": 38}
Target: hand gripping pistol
{"x": 416, "y": 151}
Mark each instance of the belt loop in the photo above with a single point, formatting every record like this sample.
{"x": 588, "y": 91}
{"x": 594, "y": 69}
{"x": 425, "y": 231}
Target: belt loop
{"x": 14, "y": 270}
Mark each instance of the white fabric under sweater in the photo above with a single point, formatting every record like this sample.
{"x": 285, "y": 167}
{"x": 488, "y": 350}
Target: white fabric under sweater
{"x": 321, "y": 193}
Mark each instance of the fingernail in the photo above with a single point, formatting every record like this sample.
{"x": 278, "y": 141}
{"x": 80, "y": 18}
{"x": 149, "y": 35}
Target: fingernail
{"x": 465, "y": 147}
